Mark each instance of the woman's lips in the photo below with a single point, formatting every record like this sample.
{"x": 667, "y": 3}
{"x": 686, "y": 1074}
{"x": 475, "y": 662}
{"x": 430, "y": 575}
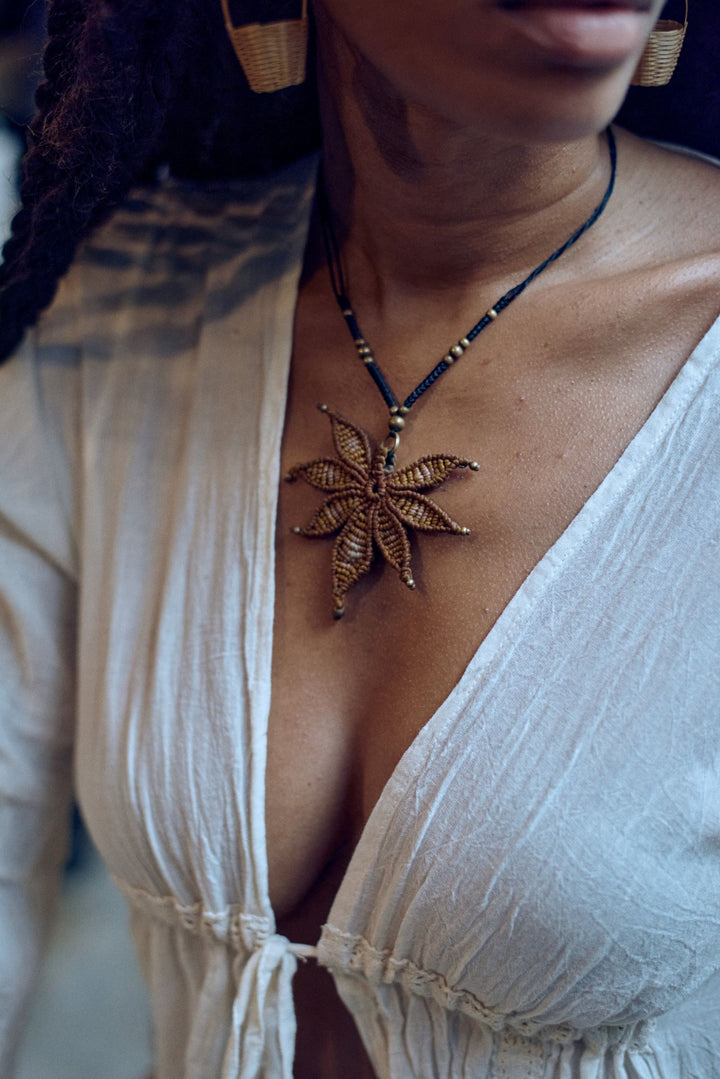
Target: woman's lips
{"x": 585, "y": 35}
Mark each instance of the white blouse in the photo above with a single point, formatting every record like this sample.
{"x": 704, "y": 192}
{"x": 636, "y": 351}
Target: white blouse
{"x": 537, "y": 892}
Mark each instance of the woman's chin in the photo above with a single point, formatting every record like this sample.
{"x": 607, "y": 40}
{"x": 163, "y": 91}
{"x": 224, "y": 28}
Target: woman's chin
{"x": 556, "y": 106}
{"x": 580, "y": 114}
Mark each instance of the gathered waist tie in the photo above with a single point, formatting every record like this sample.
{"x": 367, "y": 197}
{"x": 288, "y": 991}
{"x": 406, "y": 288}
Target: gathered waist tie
{"x": 262, "y": 1042}
{"x": 262, "y": 1028}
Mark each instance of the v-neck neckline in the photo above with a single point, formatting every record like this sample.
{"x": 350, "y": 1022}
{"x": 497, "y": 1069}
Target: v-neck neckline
{"x": 506, "y": 632}
{"x": 502, "y": 635}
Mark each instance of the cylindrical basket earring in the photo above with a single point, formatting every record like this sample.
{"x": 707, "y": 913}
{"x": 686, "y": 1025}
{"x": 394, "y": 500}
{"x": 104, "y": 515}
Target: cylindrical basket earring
{"x": 660, "y": 55}
{"x": 273, "y": 55}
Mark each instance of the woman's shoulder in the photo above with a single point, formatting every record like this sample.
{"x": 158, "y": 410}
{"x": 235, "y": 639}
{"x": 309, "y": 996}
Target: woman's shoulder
{"x": 172, "y": 255}
{"x": 163, "y": 242}
{"x": 190, "y": 214}
{"x": 672, "y": 196}
{"x": 657, "y": 265}
{"x": 127, "y": 324}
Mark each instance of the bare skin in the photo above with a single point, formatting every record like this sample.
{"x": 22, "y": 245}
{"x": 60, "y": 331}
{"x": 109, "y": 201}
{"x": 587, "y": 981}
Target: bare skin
{"x": 546, "y": 401}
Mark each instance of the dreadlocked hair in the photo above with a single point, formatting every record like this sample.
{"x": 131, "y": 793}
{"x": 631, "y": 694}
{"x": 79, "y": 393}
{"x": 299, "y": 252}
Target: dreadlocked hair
{"x": 131, "y": 84}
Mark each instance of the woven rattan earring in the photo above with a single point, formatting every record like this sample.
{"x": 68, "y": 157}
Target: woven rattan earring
{"x": 661, "y": 52}
{"x": 273, "y": 55}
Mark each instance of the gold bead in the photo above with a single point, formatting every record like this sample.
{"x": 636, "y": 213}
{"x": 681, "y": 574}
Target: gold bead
{"x": 465, "y": 342}
{"x": 492, "y": 313}
{"x": 347, "y": 311}
{"x": 449, "y": 359}
{"x": 338, "y": 612}
{"x": 410, "y": 583}
{"x": 297, "y": 530}
{"x": 465, "y": 531}
{"x": 474, "y": 466}
{"x": 323, "y": 408}
{"x": 394, "y": 410}
{"x": 364, "y": 350}
{"x": 404, "y": 410}
{"x": 456, "y": 351}
{"x": 396, "y": 423}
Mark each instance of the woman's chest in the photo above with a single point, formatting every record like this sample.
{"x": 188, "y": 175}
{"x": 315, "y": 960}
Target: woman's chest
{"x": 349, "y": 696}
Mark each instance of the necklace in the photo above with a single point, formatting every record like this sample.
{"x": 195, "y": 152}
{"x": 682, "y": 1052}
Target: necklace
{"x": 369, "y": 502}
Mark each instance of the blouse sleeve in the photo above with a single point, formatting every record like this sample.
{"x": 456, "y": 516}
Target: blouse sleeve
{"x": 37, "y": 635}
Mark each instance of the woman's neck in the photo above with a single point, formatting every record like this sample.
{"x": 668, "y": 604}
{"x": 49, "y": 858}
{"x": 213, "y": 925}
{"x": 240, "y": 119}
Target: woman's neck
{"x": 423, "y": 206}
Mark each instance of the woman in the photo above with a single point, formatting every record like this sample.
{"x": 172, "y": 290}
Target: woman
{"x": 486, "y": 803}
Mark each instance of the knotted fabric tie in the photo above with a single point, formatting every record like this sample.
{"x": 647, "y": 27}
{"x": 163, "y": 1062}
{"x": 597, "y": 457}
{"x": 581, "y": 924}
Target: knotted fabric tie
{"x": 262, "y": 1025}
{"x": 262, "y": 1040}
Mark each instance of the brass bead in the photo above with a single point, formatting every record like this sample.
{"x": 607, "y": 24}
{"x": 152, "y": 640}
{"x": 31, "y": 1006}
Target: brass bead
{"x": 364, "y": 350}
{"x": 297, "y": 530}
{"x": 464, "y": 341}
{"x": 323, "y": 408}
{"x": 394, "y": 410}
{"x": 410, "y": 583}
{"x": 456, "y": 351}
{"x": 449, "y": 359}
{"x": 347, "y": 311}
{"x": 492, "y": 313}
{"x": 338, "y": 612}
{"x": 396, "y": 423}
{"x": 404, "y": 410}
{"x": 474, "y": 466}
{"x": 465, "y": 531}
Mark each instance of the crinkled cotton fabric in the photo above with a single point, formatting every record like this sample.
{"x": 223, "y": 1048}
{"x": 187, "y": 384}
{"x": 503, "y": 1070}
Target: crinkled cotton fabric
{"x": 537, "y": 892}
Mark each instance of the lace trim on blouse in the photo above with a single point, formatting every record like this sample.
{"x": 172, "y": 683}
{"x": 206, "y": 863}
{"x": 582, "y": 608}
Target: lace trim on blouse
{"x": 231, "y": 927}
{"x": 346, "y": 953}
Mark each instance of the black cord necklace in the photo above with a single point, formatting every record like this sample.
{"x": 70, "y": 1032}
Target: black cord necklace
{"x": 368, "y": 501}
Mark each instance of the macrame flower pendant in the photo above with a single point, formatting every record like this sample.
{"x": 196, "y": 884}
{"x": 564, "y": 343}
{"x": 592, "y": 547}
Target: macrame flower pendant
{"x": 372, "y": 505}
